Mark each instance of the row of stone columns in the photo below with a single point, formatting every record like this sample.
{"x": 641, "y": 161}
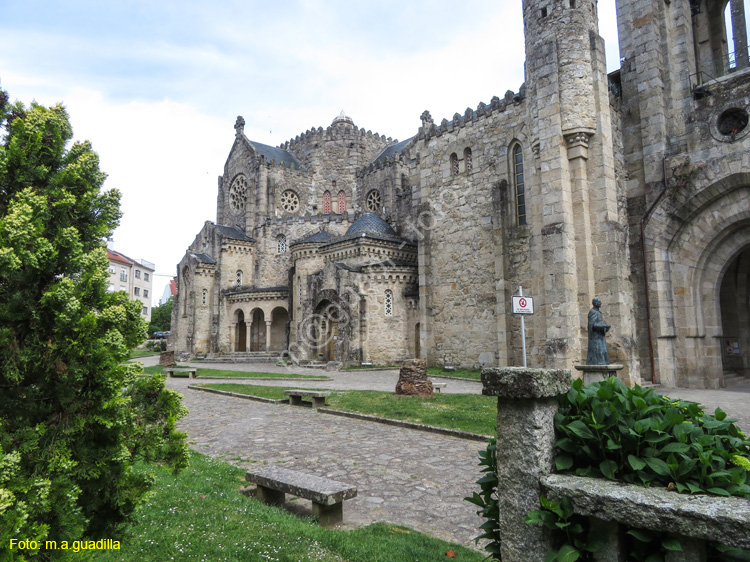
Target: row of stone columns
{"x": 234, "y": 327}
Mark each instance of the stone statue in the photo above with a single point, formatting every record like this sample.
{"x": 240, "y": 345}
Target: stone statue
{"x": 597, "y": 354}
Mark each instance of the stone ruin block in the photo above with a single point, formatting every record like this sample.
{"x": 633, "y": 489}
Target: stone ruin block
{"x": 413, "y": 381}
{"x": 166, "y": 359}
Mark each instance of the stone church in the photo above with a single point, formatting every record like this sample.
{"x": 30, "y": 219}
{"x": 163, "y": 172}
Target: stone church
{"x": 634, "y": 187}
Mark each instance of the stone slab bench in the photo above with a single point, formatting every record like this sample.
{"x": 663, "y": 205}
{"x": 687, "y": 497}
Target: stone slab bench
{"x": 438, "y": 386}
{"x": 318, "y": 397}
{"x": 327, "y": 495}
{"x": 190, "y": 372}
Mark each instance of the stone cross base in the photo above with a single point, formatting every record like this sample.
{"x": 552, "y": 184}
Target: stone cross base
{"x": 594, "y": 373}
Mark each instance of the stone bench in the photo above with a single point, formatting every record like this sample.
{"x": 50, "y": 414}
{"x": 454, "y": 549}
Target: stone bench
{"x": 438, "y": 386}
{"x": 171, "y": 371}
{"x": 327, "y": 495}
{"x": 318, "y": 397}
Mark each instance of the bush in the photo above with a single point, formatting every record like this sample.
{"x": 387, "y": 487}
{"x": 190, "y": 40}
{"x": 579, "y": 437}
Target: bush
{"x": 636, "y": 435}
{"x": 74, "y": 418}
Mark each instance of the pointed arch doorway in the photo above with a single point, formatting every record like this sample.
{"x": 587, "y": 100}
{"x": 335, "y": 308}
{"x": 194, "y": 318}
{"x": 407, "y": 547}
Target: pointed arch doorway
{"x": 734, "y": 303}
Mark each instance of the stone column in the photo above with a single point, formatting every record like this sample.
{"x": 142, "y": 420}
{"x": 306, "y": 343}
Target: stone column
{"x": 268, "y": 335}
{"x": 526, "y": 406}
{"x": 232, "y": 332}
{"x": 739, "y": 33}
{"x": 578, "y": 154}
{"x": 248, "y": 334}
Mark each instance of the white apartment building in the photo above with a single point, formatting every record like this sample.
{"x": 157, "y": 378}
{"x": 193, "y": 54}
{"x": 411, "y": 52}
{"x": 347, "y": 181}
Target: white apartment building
{"x": 135, "y": 277}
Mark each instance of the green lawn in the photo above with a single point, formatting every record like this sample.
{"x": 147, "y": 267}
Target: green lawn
{"x": 135, "y": 353}
{"x": 370, "y": 367}
{"x": 220, "y": 373}
{"x": 467, "y": 412}
{"x": 473, "y": 374}
{"x": 271, "y": 392}
{"x": 199, "y": 515}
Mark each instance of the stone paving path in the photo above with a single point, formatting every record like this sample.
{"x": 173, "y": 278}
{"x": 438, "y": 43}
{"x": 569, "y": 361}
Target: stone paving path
{"x": 404, "y": 476}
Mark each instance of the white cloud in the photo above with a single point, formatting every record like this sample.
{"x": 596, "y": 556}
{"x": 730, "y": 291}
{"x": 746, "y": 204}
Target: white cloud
{"x": 157, "y": 94}
{"x": 164, "y": 158}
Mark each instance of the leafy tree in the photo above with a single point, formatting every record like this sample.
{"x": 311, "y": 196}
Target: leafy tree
{"x": 74, "y": 418}
{"x": 161, "y": 317}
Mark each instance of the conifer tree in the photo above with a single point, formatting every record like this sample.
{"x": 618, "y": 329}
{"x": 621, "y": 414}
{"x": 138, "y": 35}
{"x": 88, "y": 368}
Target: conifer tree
{"x": 74, "y": 418}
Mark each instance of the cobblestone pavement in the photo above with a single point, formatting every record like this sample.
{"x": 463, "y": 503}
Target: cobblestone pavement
{"x": 403, "y": 476}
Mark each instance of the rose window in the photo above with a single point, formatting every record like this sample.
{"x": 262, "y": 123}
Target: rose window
{"x": 289, "y": 201}
{"x": 238, "y": 194}
{"x": 374, "y": 201}
{"x": 732, "y": 121}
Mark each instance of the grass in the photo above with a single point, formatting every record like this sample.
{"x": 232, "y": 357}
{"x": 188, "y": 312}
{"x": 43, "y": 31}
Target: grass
{"x": 473, "y": 374}
{"x": 271, "y": 392}
{"x": 199, "y": 515}
{"x": 369, "y": 367}
{"x": 135, "y": 353}
{"x": 467, "y": 412}
{"x": 220, "y": 373}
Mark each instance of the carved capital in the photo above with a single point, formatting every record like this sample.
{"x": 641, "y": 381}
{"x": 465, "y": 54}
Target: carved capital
{"x": 578, "y": 143}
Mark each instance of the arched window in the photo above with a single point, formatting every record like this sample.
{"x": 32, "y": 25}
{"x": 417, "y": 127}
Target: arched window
{"x": 519, "y": 185}
{"x": 341, "y": 202}
{"x": 238, "y": 278}
{"x": 281, "y": 244}
{"x": 205, "y": 296}
{"x": 454, "y": 164}
{"x": 388, "y": 302}
{"x": 327, "y": 203}
{"x": 737, "y": 46}
{"x": 468, "y": 164}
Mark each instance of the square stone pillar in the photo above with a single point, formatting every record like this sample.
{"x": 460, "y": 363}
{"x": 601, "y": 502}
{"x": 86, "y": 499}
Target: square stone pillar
{"x": 526, "y": 406}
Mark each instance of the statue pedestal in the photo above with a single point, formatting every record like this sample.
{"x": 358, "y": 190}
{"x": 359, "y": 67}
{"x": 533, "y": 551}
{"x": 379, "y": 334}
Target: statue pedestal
{"x": 593, "y": 373}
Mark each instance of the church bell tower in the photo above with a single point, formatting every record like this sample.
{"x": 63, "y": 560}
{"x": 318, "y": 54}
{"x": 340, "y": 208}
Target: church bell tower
{"x": 584, "y": 233}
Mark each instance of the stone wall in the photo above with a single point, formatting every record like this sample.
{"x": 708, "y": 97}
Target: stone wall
{"x": 525, "y": 451}
{"x": 667, "y": 127}
{"x": 460, "y": 255}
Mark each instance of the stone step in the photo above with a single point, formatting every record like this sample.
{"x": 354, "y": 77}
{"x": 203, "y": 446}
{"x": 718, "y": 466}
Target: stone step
{"x": 245, "y": 357}
{"x": 649, "y": 384}
{"x": 733, "y": 379}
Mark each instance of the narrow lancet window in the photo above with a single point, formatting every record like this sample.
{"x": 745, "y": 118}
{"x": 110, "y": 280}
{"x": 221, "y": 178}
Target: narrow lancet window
{"x": 520, "y": 185}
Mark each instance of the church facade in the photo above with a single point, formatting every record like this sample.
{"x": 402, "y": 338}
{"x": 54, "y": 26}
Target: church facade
{"x": 633, "y": 187}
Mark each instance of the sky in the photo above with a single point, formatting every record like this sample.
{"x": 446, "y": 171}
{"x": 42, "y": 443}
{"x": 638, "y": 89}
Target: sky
{"x": 156, "y": 86}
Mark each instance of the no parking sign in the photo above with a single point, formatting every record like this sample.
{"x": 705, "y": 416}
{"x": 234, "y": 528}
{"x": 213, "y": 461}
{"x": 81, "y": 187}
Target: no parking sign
{"x": 522, "y": 305}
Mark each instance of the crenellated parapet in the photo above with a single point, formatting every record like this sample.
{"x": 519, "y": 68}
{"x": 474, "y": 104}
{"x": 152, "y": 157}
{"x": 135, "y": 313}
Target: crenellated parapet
{"x": 380, "y": 164}
{"x": 334, "y": 132}
{"x": 429, "y": 129}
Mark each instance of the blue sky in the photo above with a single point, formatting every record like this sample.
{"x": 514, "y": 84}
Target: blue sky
{"x": 156, "y": 86}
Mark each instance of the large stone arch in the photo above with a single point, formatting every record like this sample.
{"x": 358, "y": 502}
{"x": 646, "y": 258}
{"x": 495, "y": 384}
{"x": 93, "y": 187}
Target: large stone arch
{"x": 694, "y": 240}
{"x": 257, "y": 332}
{"x": 279, "y": 328}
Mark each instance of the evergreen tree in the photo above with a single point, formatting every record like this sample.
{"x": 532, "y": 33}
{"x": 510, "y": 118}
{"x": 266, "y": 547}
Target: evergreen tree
{"x": 74, "y": 418}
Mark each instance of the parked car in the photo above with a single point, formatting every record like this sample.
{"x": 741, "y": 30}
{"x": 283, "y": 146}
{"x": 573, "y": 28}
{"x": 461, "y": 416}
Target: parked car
{"x": 160, "y": 335}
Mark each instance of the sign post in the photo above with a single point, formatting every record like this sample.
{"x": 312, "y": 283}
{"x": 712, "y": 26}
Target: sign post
{"x": 523, "y": 306}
